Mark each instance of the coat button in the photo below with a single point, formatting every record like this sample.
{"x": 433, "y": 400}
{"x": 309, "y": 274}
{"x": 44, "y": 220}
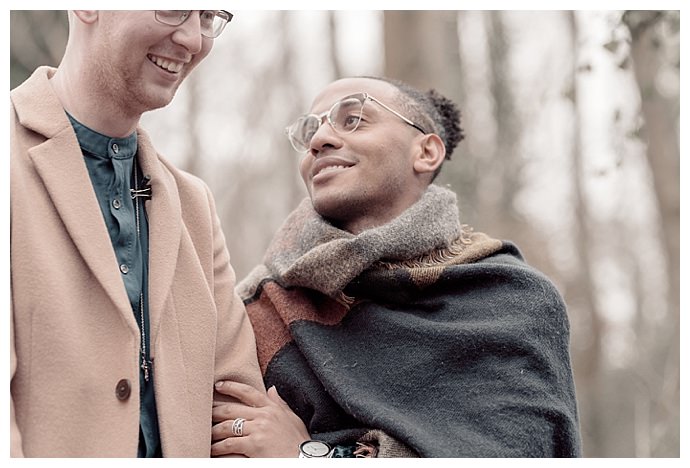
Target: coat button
{"x": 116, "y": 203}
{"x": 124, "y": 269}
{"x": 123, "y": 389}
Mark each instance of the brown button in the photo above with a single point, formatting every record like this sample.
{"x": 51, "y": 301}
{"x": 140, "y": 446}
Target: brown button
{"x": 123, "y": 389}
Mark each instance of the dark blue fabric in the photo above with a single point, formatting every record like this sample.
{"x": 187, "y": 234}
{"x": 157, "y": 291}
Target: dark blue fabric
{"x": 110, "y": 163}
{"x": 475, "y": 364}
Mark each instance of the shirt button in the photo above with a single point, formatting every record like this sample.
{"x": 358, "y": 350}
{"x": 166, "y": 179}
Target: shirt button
{"x": 123, "y": 389}
{"x": 116, "y": 149}
{"x": 124, "y": 268}
{"x": 116, "y": 203}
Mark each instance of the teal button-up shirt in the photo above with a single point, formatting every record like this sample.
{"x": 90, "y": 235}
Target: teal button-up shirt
{"x": 110, "y": 162}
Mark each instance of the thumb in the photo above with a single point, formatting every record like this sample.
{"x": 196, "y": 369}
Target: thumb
{"x": 274, "y": 397}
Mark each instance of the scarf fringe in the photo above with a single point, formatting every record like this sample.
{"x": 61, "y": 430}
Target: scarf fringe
{"x": 435, "y": 257}
{"x": 344, "y": 299}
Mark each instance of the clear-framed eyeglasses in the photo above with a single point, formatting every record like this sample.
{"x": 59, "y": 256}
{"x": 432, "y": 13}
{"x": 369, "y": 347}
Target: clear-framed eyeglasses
{"x": 344, "y": 117}
{"x": 212, "y": 21}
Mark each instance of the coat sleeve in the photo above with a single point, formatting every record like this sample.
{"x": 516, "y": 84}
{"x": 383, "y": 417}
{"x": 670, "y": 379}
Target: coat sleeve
{"x": 15, "y": 435}
{"x": 235, "y": 357}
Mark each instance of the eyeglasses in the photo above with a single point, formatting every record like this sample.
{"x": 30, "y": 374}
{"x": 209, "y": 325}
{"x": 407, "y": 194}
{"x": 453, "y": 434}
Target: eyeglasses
{"x": 212, "y": 21}
{"x": 344, "y": 116}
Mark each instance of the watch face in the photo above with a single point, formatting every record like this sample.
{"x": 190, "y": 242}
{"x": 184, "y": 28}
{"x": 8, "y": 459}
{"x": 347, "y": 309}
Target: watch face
{"x": 315, "y": 448}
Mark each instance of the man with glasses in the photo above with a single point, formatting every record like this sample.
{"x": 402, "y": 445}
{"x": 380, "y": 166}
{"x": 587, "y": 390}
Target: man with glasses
{"x": 123, "y": 310}
{"x": 386, "y": 325}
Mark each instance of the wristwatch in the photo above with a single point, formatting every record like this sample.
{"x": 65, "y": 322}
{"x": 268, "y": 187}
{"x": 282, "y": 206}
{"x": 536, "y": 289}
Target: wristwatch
{"x": 315, "y": 449}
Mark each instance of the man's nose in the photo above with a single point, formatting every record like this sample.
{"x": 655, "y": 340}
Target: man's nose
{"x": 325, "y": 137}
{"x": 188, "y": 34}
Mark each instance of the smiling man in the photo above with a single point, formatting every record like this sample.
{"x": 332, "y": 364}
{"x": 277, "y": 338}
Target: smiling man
{"x": 388, "y": 327}
{"x": 123, "y": 313}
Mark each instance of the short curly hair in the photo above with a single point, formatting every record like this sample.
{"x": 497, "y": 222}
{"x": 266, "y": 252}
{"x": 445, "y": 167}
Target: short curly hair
{"x": 433, "y": 111}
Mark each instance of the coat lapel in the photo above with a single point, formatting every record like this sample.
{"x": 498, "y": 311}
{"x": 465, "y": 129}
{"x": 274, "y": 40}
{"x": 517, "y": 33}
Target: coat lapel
{"x": 165, "y": 229}
{"x": 59, "y": 163}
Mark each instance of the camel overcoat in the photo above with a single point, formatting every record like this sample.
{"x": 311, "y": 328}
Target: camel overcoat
{"x": 74, "y": 340}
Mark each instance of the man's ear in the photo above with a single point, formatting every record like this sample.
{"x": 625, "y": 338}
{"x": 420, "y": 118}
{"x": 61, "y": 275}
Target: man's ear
{"x": 86, "y": 16}
{"x": 430, "y": 155}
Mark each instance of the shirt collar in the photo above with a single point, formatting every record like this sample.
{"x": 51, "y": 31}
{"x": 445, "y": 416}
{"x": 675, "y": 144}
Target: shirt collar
{"x": 103, "y": 146}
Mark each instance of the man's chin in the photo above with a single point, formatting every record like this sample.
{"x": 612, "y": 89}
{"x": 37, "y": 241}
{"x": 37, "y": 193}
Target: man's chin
{"x": 160, "y": 96}
{"x": 336, "y": 209}
{"x": 157, "y": 101}
{"x": 324, "y": 209}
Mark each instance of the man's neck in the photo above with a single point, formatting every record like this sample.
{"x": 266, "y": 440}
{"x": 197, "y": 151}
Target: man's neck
{"x": 376, "y": 216}
{"x": 90, "y": 108}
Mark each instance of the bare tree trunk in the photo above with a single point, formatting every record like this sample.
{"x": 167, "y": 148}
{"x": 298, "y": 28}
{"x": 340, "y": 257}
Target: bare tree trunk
{"x": 660, "y": 116}
{"x": 502, "y": 176}
{"x": 292, "y": 193}
{"x": 580, "y": 292}
{"x": 507, "y": 161}
{"x": 333, "y": 36}
{"x": 421, "y": 58}
{"x": 660, "y": 133}
{"x": 36, "y": 38}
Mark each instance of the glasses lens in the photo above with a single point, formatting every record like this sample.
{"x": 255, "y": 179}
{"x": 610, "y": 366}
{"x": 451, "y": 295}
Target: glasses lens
{"x": 302, "y": 131}
{"x": 206, "y": 20}
{"x": 172, "y": 17}
{"x": 220, "y": 20}
{"x": 346, "y": 114}
{"x": 213, "y": 22}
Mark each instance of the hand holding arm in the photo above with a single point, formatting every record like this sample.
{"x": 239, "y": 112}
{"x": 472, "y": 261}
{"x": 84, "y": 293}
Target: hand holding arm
{"x": 270, "y": 429}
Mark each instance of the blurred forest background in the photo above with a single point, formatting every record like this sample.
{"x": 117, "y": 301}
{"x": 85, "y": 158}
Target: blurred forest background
{"x": 572, "y": 151}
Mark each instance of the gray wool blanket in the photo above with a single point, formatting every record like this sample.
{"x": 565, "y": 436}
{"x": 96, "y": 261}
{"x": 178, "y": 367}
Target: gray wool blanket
{"x": 416, "y": 338}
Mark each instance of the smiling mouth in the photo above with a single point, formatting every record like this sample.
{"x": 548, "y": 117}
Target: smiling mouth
{"x": 331, "y": 169}
{"x": 165, "y": 64}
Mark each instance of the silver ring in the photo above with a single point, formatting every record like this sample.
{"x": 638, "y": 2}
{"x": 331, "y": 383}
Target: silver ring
{"x": 237, "y": 426}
